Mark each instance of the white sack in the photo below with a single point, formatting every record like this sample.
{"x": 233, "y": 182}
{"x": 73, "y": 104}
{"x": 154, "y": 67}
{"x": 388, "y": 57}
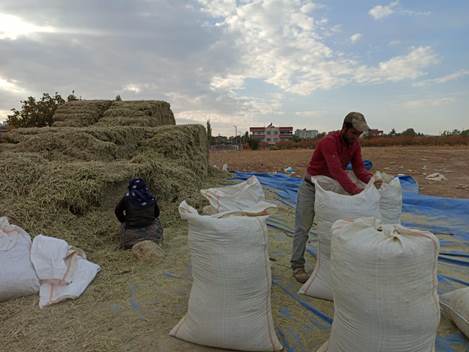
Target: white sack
{"x": 455, "y": 305}
{"x": 63, "y": 272}
{"x": 229, "y": 305}
{"x": 17, "y": 275}
{"x": 246, "y": 196}
{"x": 390, "y": 205}
{"x": 384, "y": 279}
{"x": 47, "y": 255}
{"x": 330, "y": 207}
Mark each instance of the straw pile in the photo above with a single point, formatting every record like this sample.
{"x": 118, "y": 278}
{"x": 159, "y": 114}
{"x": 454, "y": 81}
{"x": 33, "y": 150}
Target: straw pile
{"x": 80, "y": 113}
{"x": 66, "y": 181}
{"x": 149, "y": 113}
{"x": 145, "y": 113}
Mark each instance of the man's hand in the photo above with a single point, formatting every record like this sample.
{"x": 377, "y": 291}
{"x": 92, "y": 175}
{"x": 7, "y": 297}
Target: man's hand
{"x": 378, "y": 183}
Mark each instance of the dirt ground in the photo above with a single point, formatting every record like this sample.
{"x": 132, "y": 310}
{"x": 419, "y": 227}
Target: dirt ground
{"x": 418, "y": 162}
{"x": 132, "y": 305}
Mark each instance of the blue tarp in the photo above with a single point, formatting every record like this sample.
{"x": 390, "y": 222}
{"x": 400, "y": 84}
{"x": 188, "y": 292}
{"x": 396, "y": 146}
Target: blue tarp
{"x": 436, "y": 214}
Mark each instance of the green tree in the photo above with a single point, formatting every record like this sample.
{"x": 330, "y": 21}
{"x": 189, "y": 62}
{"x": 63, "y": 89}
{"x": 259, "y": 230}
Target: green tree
{"x": 35, "y": 113}
{"x": 253, "y": 143}
{"x": 409, "y": 132}
{"x": 393, "y": 132}
{"x": 118, "y": 98}
{"x": 245, "y": 138}
{"x": 72, "y": 97}
{"x": 209, "y": 133}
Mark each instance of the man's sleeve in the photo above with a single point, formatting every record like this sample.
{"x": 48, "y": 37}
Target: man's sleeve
{"x": 329, "y": 151}
{"x": 120, "y": 210}
{"x": 358, "y": 166}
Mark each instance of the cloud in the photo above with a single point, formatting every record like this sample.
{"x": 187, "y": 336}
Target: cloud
{"x": 428, "y": 103}
{"x": 309, "y": 113}
{"x": 12, "y": 27}
{"x": 230, "y": 82}
{"x": 234, "y": 59}
{"x": 10, "y": 86}
{"x": 279, "y": 43}
{"x": 356, "y": 37}
{"x": 416, "y": 13}
{"x": 410, "y": 66}
{"x": 3, "y": 115}
{"x": 443, "y": 79}
{"x": 381, "y": 11}
{"x": 222, "y": 123}
{"x": 282, "y": 46}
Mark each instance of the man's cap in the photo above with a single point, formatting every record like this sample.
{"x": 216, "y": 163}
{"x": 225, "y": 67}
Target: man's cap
{"x": 357, "y": 120}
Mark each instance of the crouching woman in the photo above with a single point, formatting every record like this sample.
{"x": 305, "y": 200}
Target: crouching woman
{"x": 138, "y": 213}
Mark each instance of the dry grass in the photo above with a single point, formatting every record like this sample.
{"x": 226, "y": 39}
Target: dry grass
{"x": 146, "y": 113}
{"x": 383, "y": 141}
{"x": 65, "y": 182}
{"x": 80, "y": 113}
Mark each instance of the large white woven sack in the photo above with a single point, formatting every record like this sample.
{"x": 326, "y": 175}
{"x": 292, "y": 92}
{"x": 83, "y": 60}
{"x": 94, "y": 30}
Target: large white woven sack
{"x": 329, "y": 207}
{"x": 229, "y": 305}
{"x": 17, "y": 275}
{"x": 246, "y": 196}
{"x": 64, "y": 273}
{"x": 455, "y": 305}
{"x": 390, "y": 204}
{"x": 384, "y": 279}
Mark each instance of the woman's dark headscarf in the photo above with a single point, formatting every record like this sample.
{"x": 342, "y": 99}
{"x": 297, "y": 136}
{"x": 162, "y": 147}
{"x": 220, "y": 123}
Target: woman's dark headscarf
{"x": 139, "y": 194}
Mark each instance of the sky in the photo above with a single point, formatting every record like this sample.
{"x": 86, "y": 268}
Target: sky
{"x": 242, "y": 63}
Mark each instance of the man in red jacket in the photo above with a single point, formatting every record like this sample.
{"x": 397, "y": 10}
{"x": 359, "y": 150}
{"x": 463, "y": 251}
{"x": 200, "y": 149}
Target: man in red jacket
{"x": 330, "y": 158}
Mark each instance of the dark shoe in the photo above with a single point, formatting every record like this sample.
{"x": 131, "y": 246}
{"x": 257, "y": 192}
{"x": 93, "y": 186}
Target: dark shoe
{"x": 300, "y": 275}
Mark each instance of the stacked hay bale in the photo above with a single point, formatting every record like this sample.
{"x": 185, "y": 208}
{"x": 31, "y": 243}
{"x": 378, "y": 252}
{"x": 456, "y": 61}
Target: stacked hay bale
{"x": 138, "y": 113}
{"x": 65, "y": 181}
{"x": 80, "y": 113}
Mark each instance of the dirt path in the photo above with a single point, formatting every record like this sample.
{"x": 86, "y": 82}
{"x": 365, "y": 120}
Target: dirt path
{"x": 419, "y": 162}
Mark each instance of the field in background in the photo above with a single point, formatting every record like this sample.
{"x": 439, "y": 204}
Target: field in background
{"x": 382, "y": 141}
{"x": 417, "y": 161}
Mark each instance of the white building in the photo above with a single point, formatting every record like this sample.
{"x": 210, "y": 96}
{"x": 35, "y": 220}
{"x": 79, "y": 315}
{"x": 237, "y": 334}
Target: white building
{"x": 306, "y": 134}
{"x": 271, "y": 134}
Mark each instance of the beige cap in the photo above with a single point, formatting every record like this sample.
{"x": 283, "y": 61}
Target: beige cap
{"x": 357, "y": 120}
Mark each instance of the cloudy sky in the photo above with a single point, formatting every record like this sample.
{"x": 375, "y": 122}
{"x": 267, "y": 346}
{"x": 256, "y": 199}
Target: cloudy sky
{"x": 244, "y": 63}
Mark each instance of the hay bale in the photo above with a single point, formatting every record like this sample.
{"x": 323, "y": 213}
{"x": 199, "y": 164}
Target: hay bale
{"x": 187, "y": 141}
{"x": 147, "y": 250}
{"x": 143, "y": 113}
{"x": 147, "y": 113}
{"x": 65, "y": 182}
{"x": 80, "y": 113}
{"x": 87, "y": 144}
{"x": 113, "y": 143}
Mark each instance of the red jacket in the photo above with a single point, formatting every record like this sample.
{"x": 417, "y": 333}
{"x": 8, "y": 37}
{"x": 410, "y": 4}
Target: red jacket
{"x": 330, "y": 158}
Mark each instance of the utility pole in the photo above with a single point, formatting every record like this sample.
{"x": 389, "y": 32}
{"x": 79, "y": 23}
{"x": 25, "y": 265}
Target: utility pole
{"x": 236, "y": 136}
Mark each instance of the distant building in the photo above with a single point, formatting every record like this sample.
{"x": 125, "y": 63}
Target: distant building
{"x": 271, "y": 134}
{"x": 375, "y": 133}
{"x": 306, "y": 134}
{"x": 220, "y": 140}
